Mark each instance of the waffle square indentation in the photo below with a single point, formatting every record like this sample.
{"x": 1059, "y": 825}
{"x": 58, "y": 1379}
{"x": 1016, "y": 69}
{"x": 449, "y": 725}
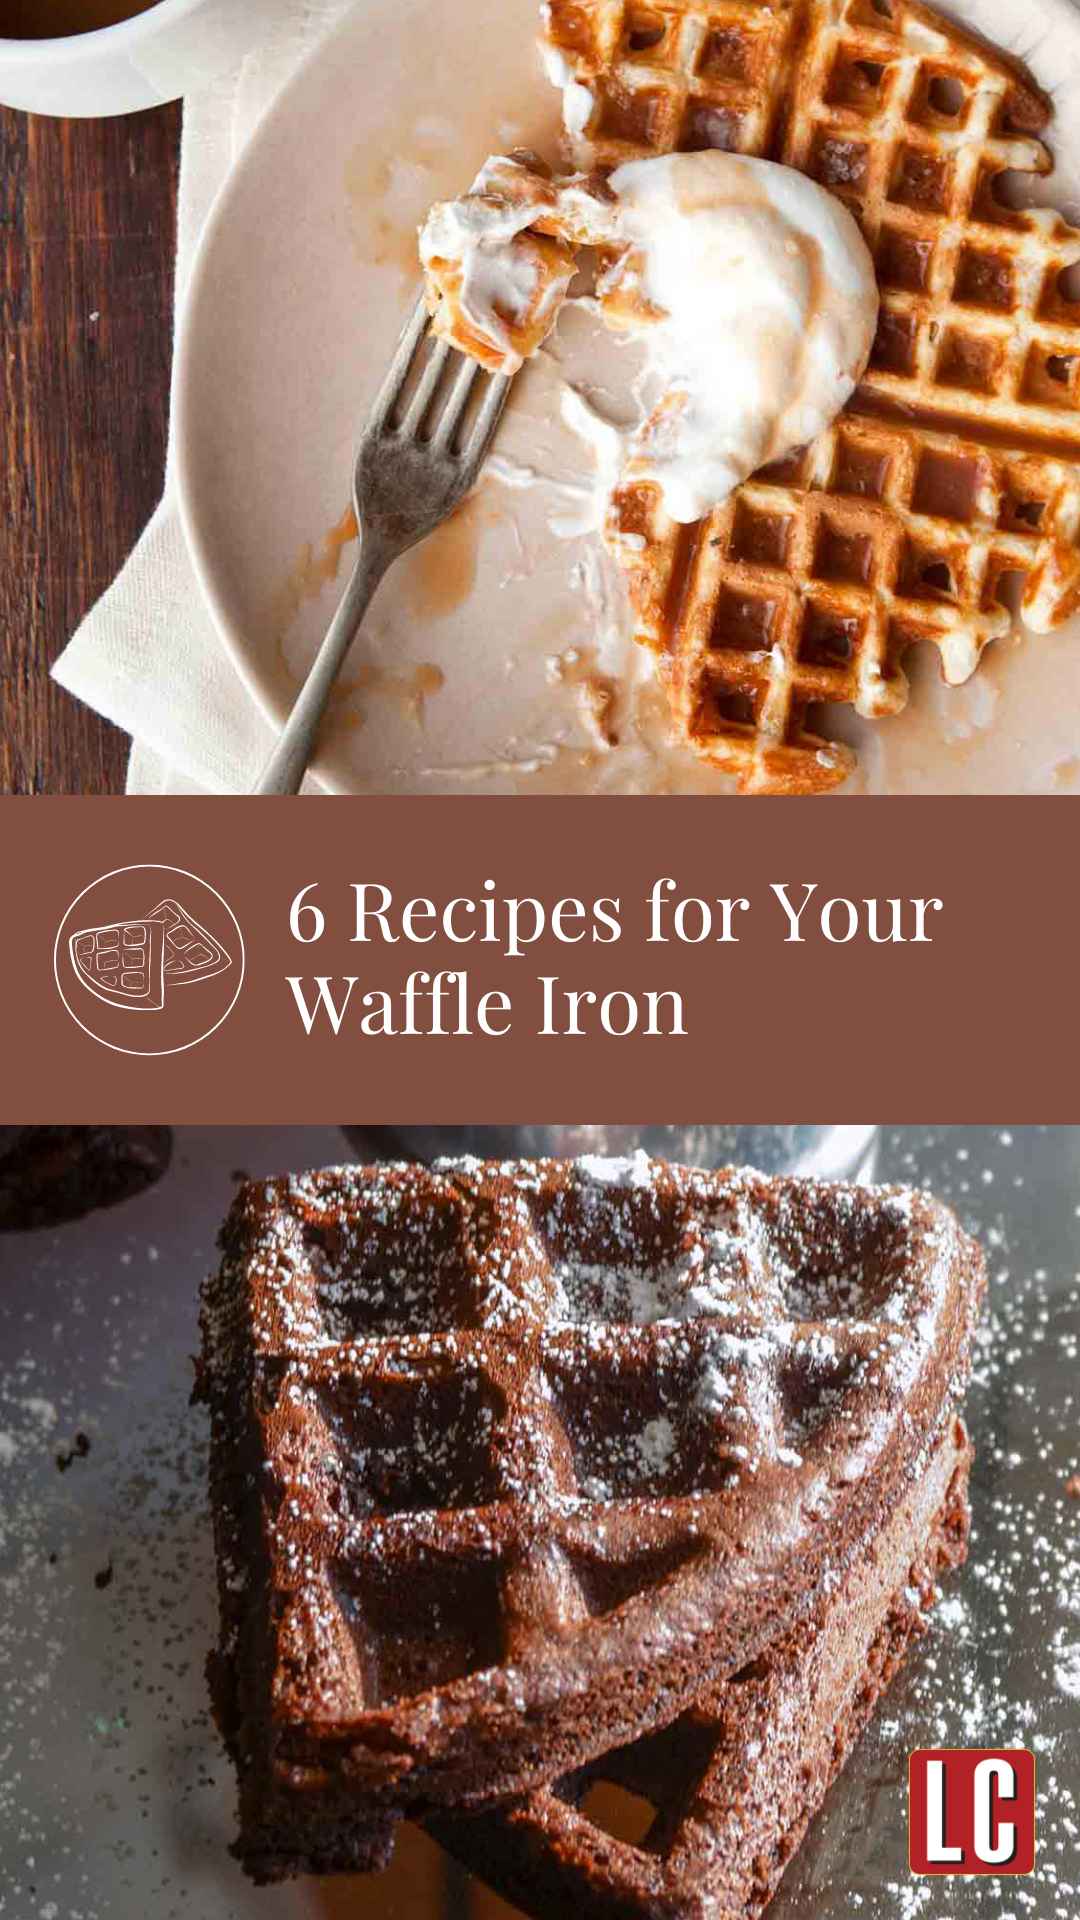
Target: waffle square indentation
{"x": 1051, "y": 378}
{"x": 743, "y": 622}
{"x": 861, "y": 469}
{"x": 946, "y": 486}
{"x": 840, "y": 162}
{"x": 903, "y": 260}
{"x": 969, "y": 360}
{"x": 921, "y": 180}
{"x": 759, "y": 538}
{"x": 985, "y": 279}
{"x": 828, "y": 638}
{"x": 893, "y": 350}
{"x": 841, "y": 554}
{"x": 856, "y": 82}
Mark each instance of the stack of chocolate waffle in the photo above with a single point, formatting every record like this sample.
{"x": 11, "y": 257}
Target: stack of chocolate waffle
{"x": 530, "y": 1475}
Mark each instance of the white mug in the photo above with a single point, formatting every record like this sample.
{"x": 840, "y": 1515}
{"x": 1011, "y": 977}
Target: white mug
{"x": 155, "y": 56}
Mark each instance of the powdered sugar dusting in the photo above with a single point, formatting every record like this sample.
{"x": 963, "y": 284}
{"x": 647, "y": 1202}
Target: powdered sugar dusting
{"x": 646, "y": 1315}
{"x": 633, "y": 1171}
{"x": 1067, "y": 1669}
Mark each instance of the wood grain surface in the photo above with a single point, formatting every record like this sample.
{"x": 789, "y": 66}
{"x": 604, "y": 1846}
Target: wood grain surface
{"x": 87, "y": 235}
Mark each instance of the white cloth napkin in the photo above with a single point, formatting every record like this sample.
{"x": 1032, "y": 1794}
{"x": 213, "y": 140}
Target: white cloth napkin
{"x": 148, "y": 656}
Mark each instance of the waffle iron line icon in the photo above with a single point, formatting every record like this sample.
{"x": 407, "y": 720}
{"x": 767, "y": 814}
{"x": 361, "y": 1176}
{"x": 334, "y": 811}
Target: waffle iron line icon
{"x": 131, "y": 963}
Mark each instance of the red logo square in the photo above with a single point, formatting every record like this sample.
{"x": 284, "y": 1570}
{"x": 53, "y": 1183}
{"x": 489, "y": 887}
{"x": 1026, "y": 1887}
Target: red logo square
{"x": 971, "y": 1810}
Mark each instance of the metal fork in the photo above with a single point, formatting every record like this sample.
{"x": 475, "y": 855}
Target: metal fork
{"x": 403, "y": 488}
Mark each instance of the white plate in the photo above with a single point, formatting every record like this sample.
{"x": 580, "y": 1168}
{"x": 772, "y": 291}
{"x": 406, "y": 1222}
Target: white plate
{"x": 306, "y": 270}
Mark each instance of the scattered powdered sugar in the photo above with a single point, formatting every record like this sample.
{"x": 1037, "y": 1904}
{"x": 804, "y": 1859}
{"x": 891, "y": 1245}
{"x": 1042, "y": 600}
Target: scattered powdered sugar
{"x": 595, "y": 1291}
{"x": 647, "y": 1457}
{"x": 656, "y": 1444}
{"x": 568, "y": 1270}
{"x": 714, "y": 1389}
{"x": 632, "y": 1463}
{"x": 952, "y": 1612}
{"x": 641, "y": 1296}
{"x": 633, "y": 1170}
{"x": 1067, "y": 1670}
{"x": 911, "y": 1898}
{"x": 115, "y": 1798}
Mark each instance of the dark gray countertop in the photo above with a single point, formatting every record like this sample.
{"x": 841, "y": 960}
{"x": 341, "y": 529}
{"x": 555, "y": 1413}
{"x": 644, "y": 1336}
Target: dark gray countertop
{"x": 115, "y": 1799}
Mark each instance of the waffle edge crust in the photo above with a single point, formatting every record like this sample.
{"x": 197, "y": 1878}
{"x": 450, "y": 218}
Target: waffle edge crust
{"x": 510, "y": 1464}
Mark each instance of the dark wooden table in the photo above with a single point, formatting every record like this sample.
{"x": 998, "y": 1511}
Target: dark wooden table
{"x": 87, "y": 233}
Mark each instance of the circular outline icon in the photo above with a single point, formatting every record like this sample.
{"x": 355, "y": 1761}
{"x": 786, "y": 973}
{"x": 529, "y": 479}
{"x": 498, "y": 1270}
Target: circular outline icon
{"x": 147, "y": 1053}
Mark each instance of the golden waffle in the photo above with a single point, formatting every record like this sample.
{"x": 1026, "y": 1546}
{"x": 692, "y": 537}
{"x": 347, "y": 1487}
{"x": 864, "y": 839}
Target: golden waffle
{"x": 191, "y": 953}
{"x": 673, "y": 77}
{"x": 122, "y": 964}
{"x": 916, "y": 127}
{"x": 806, "y": 588}
{"x": 510, "y": 1461}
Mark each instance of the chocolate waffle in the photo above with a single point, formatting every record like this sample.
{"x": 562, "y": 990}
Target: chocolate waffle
{"x": 122, "y": 964}
{"x": 509, "y": 1462}
{"x": 772, "y": 610}
{"x": 707, "y": 1814}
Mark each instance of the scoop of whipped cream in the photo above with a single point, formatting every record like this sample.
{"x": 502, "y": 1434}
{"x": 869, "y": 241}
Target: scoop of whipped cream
{"x": 754, "y": 294}
{"x": 749, "y": 287}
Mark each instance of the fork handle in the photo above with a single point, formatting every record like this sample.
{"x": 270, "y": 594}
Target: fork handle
{"x": 287, "y": 765}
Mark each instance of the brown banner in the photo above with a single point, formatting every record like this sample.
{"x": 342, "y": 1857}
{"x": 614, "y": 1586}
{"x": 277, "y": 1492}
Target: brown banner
{"x": 162, "y": 959}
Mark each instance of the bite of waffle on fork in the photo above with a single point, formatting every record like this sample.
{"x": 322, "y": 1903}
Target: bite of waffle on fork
{"x": 534, "y": 227}
{"x": 805, "y": 589}
{"x": 543, "y": 267}
{"x": 477, "y": 1431}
